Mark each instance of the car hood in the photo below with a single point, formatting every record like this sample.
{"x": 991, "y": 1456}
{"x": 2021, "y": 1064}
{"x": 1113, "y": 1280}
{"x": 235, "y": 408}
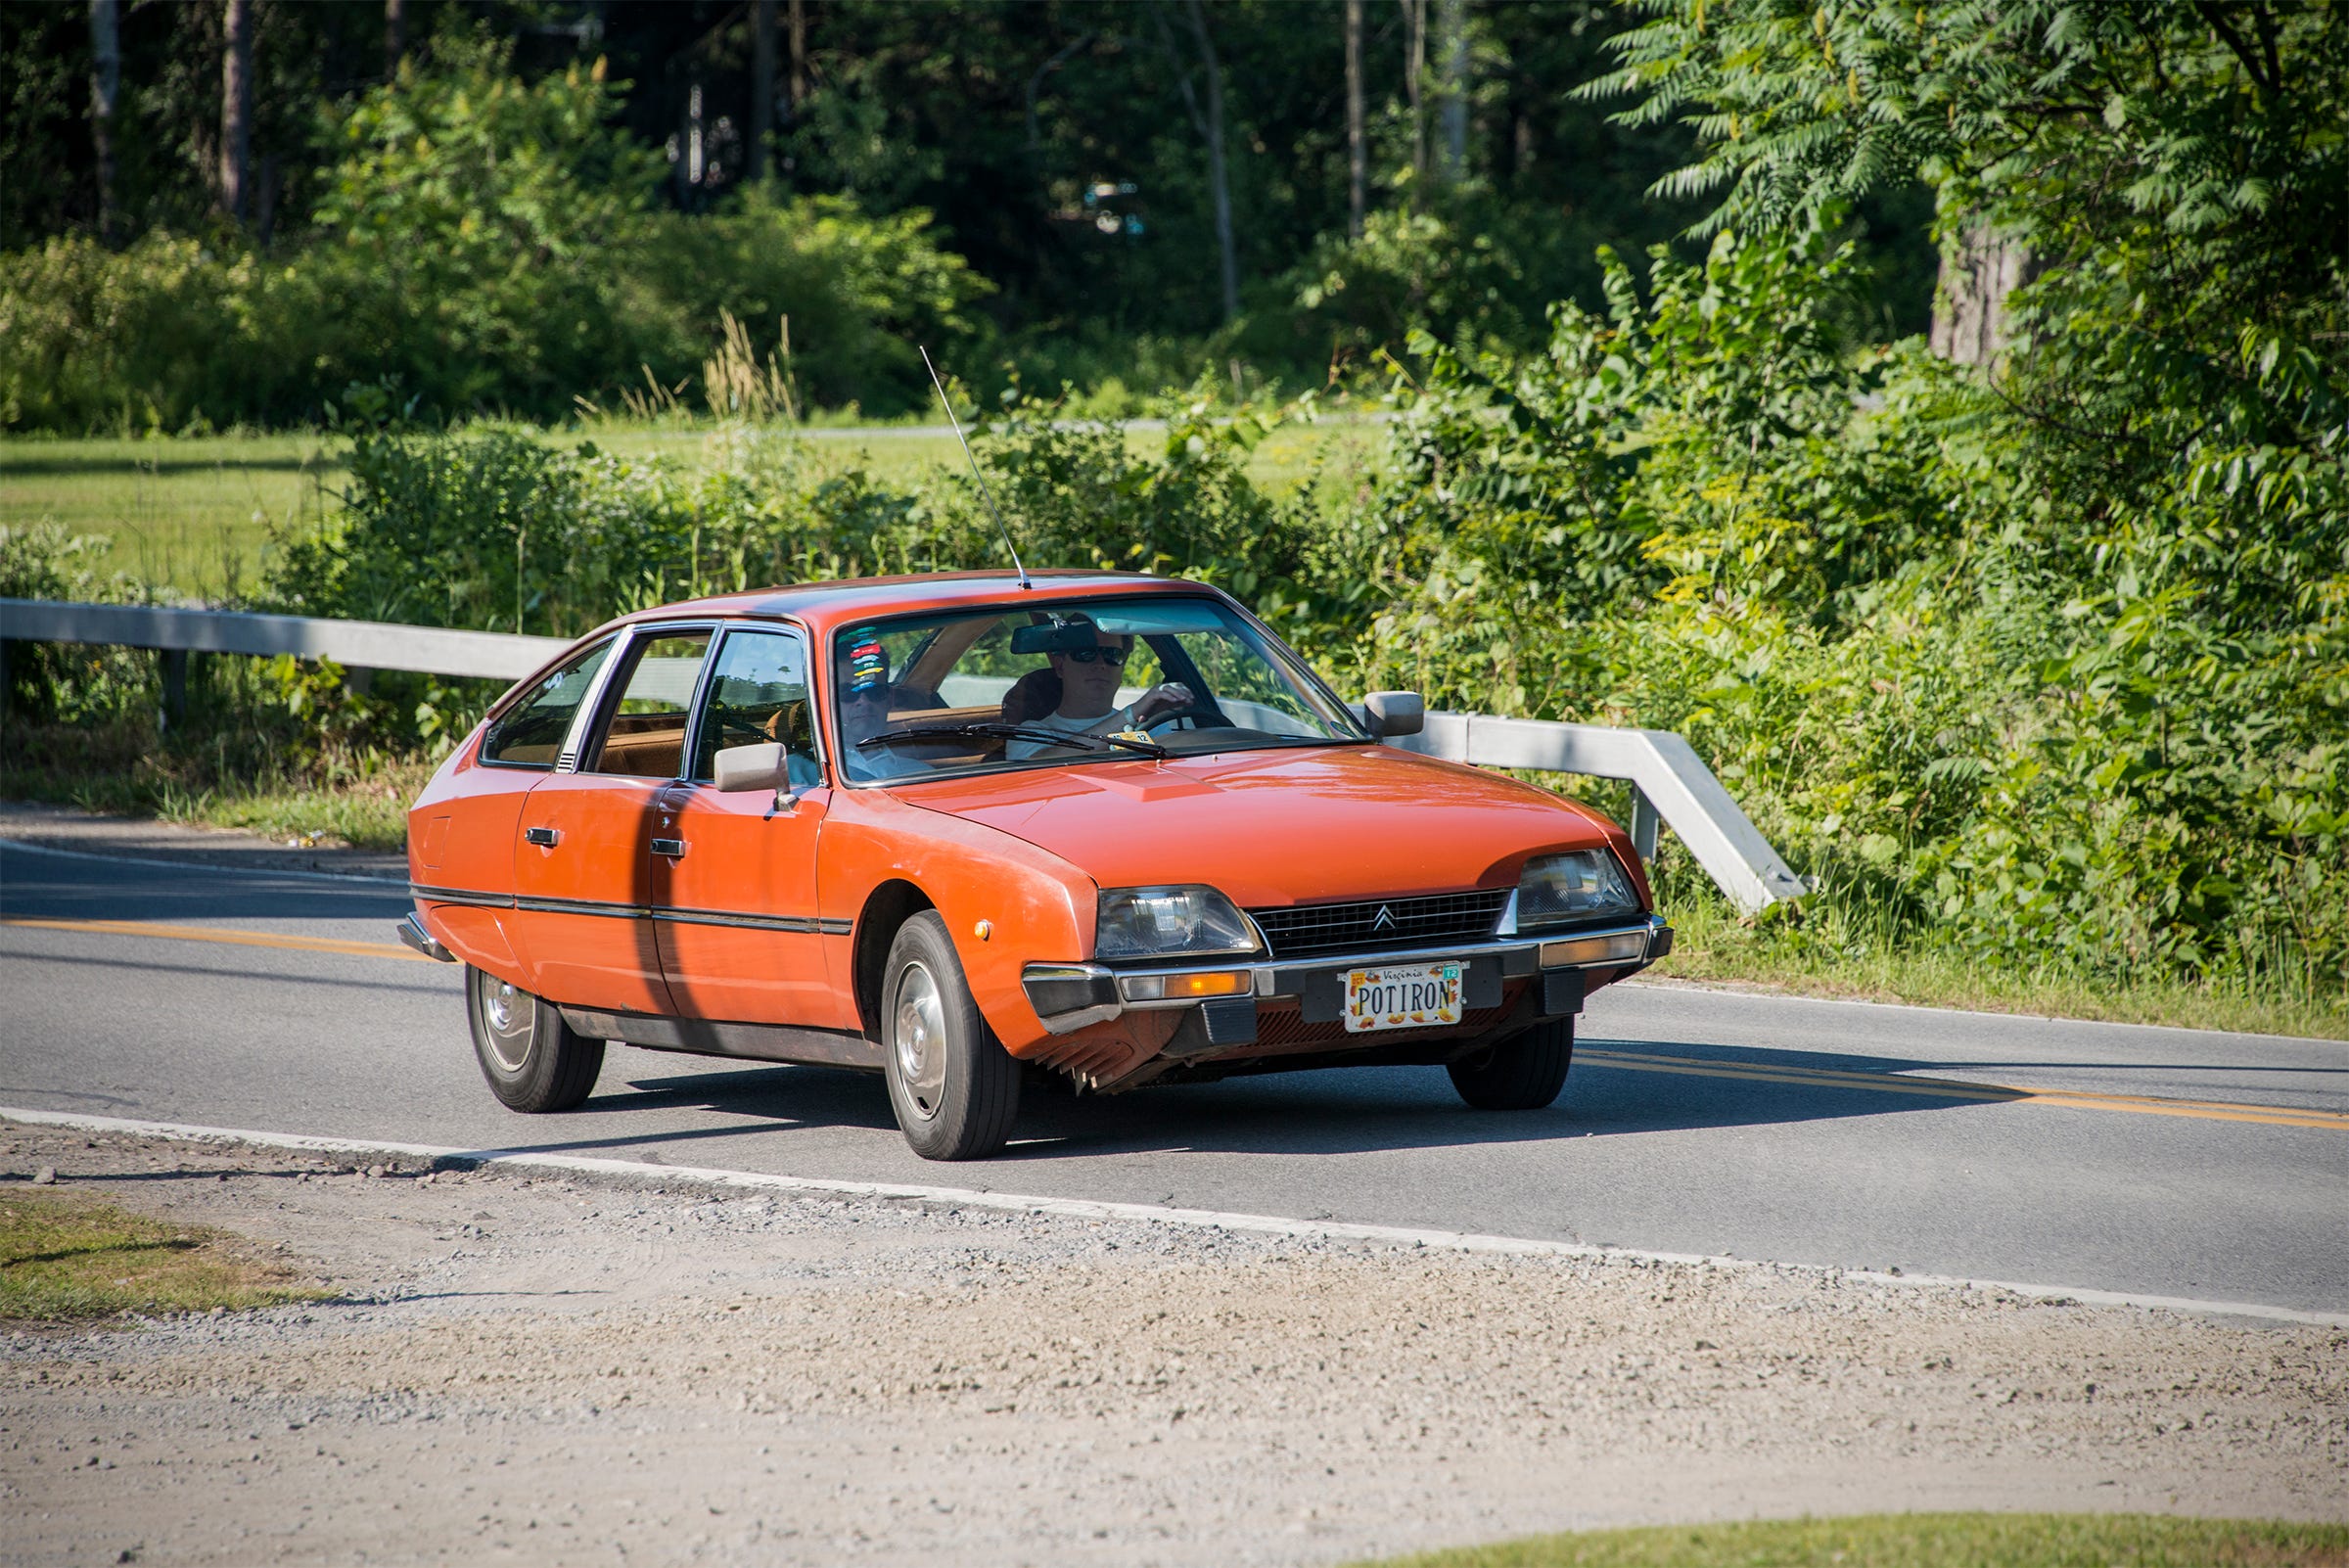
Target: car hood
{"x": 1315, "y": 825}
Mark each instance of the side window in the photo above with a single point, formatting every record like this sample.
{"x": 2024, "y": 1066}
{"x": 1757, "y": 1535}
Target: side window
{"x": 645, "y": 735}
{"x": 530, "y": 734}
{"x": 758, "y": 693}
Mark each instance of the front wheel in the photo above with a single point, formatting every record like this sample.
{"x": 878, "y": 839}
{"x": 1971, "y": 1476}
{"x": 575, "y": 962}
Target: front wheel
{"x": 1523, "y": 1073}
{"x": 533, "y": 1060}
{"x": 953, "y": 1086}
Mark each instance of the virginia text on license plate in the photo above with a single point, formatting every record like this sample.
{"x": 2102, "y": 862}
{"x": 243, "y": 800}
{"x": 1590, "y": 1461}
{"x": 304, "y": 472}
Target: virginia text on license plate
{"x": 1400, "y": 997}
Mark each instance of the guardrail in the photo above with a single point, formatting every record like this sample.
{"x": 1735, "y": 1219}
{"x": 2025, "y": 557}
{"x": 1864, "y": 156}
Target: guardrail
{"x": 1669, "y": 782}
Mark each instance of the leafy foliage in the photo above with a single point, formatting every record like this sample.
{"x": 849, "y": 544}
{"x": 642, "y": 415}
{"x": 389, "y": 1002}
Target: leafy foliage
{"x": 481, "y": 243}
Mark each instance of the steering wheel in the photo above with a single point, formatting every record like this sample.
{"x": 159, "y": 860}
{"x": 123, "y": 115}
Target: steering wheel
{"x": 736, "y": 730}
{"x": 1202, "y": 715}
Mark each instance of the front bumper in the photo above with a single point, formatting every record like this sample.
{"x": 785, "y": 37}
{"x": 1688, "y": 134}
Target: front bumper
{"x": 1072, "y": 996}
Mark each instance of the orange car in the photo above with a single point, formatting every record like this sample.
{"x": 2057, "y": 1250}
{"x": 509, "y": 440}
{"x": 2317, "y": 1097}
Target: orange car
{"x": 959, "y": 830}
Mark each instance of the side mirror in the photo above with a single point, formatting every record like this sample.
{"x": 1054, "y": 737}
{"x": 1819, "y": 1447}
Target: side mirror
{"x": 1394, "y": 713}
{"x": 752, "y": 768}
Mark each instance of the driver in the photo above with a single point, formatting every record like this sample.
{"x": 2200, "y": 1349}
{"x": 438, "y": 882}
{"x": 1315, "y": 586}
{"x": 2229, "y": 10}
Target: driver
{"x": 1090, "y": 678}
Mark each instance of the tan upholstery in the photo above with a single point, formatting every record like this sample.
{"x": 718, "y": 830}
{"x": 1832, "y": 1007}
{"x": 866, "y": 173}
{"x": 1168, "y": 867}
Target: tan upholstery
{"x": 1032, "y": 697}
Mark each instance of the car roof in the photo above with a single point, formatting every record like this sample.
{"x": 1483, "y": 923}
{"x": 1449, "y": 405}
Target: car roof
{"x": 824, "y": 605}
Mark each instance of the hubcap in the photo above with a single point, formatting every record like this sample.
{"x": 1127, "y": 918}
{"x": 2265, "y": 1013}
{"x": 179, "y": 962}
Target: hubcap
{"x": 507, "y": 1018}
{"x": 919, "y": 1034}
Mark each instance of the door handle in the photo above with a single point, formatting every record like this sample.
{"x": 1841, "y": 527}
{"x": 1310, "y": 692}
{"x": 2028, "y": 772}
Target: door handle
{"x": 544, "y": 837}
{"x": 675, "y": 849}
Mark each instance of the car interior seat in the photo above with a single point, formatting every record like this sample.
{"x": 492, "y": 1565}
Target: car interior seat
{"x": 1032, "y": 697}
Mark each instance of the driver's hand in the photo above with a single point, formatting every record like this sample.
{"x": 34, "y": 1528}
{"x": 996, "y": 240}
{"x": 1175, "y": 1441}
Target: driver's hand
{"x": 1167, "y": 697}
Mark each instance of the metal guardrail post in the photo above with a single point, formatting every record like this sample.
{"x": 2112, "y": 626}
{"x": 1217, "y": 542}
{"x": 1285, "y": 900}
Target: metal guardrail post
{"x": 176, "y": 688}
{"x": 1673, "y": 785}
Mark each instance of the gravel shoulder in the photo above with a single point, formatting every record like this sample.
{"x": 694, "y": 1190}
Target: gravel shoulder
{"x": 595, "y": 1370}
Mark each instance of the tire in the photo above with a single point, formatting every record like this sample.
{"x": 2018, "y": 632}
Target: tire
{"x": 953, "y": 1086}
{"x": 1523, "y": 1073}
{"x": 533, "y": 1060}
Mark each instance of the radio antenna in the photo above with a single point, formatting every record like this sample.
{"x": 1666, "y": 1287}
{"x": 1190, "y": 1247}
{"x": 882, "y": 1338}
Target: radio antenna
{"x": 975, "y": 474}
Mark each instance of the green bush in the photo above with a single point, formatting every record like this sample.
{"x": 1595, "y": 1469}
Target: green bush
{"x": 481, "y": 243}
{"x": 1906, "y": 647}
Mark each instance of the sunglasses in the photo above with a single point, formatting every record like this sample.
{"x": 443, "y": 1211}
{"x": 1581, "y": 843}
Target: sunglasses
{"x": 1115, "y": 658}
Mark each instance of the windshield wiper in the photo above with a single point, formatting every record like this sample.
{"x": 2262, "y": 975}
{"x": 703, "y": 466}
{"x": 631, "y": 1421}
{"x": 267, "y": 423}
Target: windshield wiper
{"x": 1076, "y": 739}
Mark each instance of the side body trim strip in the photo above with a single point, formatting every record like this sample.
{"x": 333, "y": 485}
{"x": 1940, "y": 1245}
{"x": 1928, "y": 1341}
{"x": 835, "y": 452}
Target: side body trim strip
{"x": 424, "y": 893}
{"x": 804, "y": 924}
{"x": 759, "y": 1042}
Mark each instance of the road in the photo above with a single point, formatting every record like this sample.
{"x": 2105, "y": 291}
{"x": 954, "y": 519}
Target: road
{"x": 2158, "y": 1161}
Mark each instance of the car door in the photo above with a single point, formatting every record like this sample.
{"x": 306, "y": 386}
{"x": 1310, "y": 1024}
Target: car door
{"x": 462, "y": 834}
{"x": 582, "y": 870}
{"x": 734, "y": 909}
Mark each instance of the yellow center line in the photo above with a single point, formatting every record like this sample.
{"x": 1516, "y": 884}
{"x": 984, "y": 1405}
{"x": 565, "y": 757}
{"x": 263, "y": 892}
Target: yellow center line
{"x": 233, "y": 939}
{"x": 1953, "y": 1089}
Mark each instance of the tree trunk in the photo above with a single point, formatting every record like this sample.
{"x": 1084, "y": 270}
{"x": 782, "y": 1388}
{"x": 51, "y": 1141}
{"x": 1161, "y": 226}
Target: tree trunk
{"x": 799, "y": 61}
{"x": 235, "y": 108}
{"x": 763, "y": 86}
{"x": 689, "y": 147}
{"x": 1969, "y": 304}
{"x": 106, "y": 87}
{"x": 1414, "y": 70}
{"x": 1358, "y": 155}
{"x": 1220, "y": 186}
{"x": 1451, "y": 23}
{"x": 396, "y": 36}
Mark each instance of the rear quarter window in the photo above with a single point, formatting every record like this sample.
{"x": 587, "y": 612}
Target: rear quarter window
{"x": 532, "y": 732}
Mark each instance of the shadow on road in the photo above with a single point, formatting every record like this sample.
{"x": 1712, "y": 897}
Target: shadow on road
{"x": 1329, "y": 1111}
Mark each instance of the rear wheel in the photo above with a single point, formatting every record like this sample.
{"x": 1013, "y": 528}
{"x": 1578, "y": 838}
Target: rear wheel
{"x": 1523, "y": 1073}
{"x": 533, "y": 1060}
{"x": 953, "y": 1086}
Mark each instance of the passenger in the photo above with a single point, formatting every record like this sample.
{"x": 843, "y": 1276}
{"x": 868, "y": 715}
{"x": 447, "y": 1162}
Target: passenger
{"x": 860, "y": 686}
{"x": 1090, "y": 678}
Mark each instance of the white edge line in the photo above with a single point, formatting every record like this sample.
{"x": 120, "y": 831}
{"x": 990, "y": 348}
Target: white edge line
{"x": 1141, "y": 1212}
{"x": 1708, "y": 987}
{"x": 385, "y": 884}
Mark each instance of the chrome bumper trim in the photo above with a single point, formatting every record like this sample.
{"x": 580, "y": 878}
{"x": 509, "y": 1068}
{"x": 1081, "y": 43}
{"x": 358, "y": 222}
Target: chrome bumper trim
{"x": 1521, "y": 956}
{"x": 412, "y": 932}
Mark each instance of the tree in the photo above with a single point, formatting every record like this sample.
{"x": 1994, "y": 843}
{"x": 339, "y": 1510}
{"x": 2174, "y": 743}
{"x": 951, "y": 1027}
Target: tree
{"x": 1358, "y": 150}
{"x": 2213, "y": 141}
{"x": 236, "y": 107}
{"x": 105, "y": 86}
{"x": 1210, "y": 122}
{"x": 396, "y": 35}
{"x": 762, "y": 88}
{"x": 1451, "y": 20}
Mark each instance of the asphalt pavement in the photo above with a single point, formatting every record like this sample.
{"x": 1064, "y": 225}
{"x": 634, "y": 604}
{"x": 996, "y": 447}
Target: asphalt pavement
{"x": 2108, "y": 1156}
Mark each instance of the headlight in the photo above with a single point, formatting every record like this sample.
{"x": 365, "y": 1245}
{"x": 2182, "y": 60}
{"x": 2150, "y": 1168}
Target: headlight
{"x": 1168, "y": 922}
{"x": 1558, "y": 888}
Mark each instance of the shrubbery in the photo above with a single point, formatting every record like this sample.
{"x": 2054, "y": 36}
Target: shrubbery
{"x": 484, "y": 245}
{"x": 1700, "y": 514}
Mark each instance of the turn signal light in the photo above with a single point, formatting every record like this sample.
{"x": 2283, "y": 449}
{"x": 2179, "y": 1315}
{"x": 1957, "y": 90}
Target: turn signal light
{"x": 1188, "y": 987}
{"x": 1622, "y": 948}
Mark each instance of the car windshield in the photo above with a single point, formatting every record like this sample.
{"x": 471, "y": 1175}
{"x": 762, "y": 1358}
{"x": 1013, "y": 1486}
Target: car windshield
{"x": 1041, "y": 685}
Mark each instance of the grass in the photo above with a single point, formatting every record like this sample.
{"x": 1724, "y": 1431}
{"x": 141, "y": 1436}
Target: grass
{"x": 1925, "y": 1540}
{"x": 356, "y": 798}
{"x": 195, "y": 513}
{"x": 1711, "y": 945}
{"x": 68, "y": 1258}
{"x": 192, "y": 514}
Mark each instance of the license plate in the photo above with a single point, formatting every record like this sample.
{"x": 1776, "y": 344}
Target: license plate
{"x": 1401, "y": 997}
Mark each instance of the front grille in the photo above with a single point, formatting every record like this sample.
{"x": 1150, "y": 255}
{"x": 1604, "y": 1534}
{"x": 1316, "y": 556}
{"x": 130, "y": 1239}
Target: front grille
{"x": 1335, "y": 930}
{"x": 1288, "y": 1030}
